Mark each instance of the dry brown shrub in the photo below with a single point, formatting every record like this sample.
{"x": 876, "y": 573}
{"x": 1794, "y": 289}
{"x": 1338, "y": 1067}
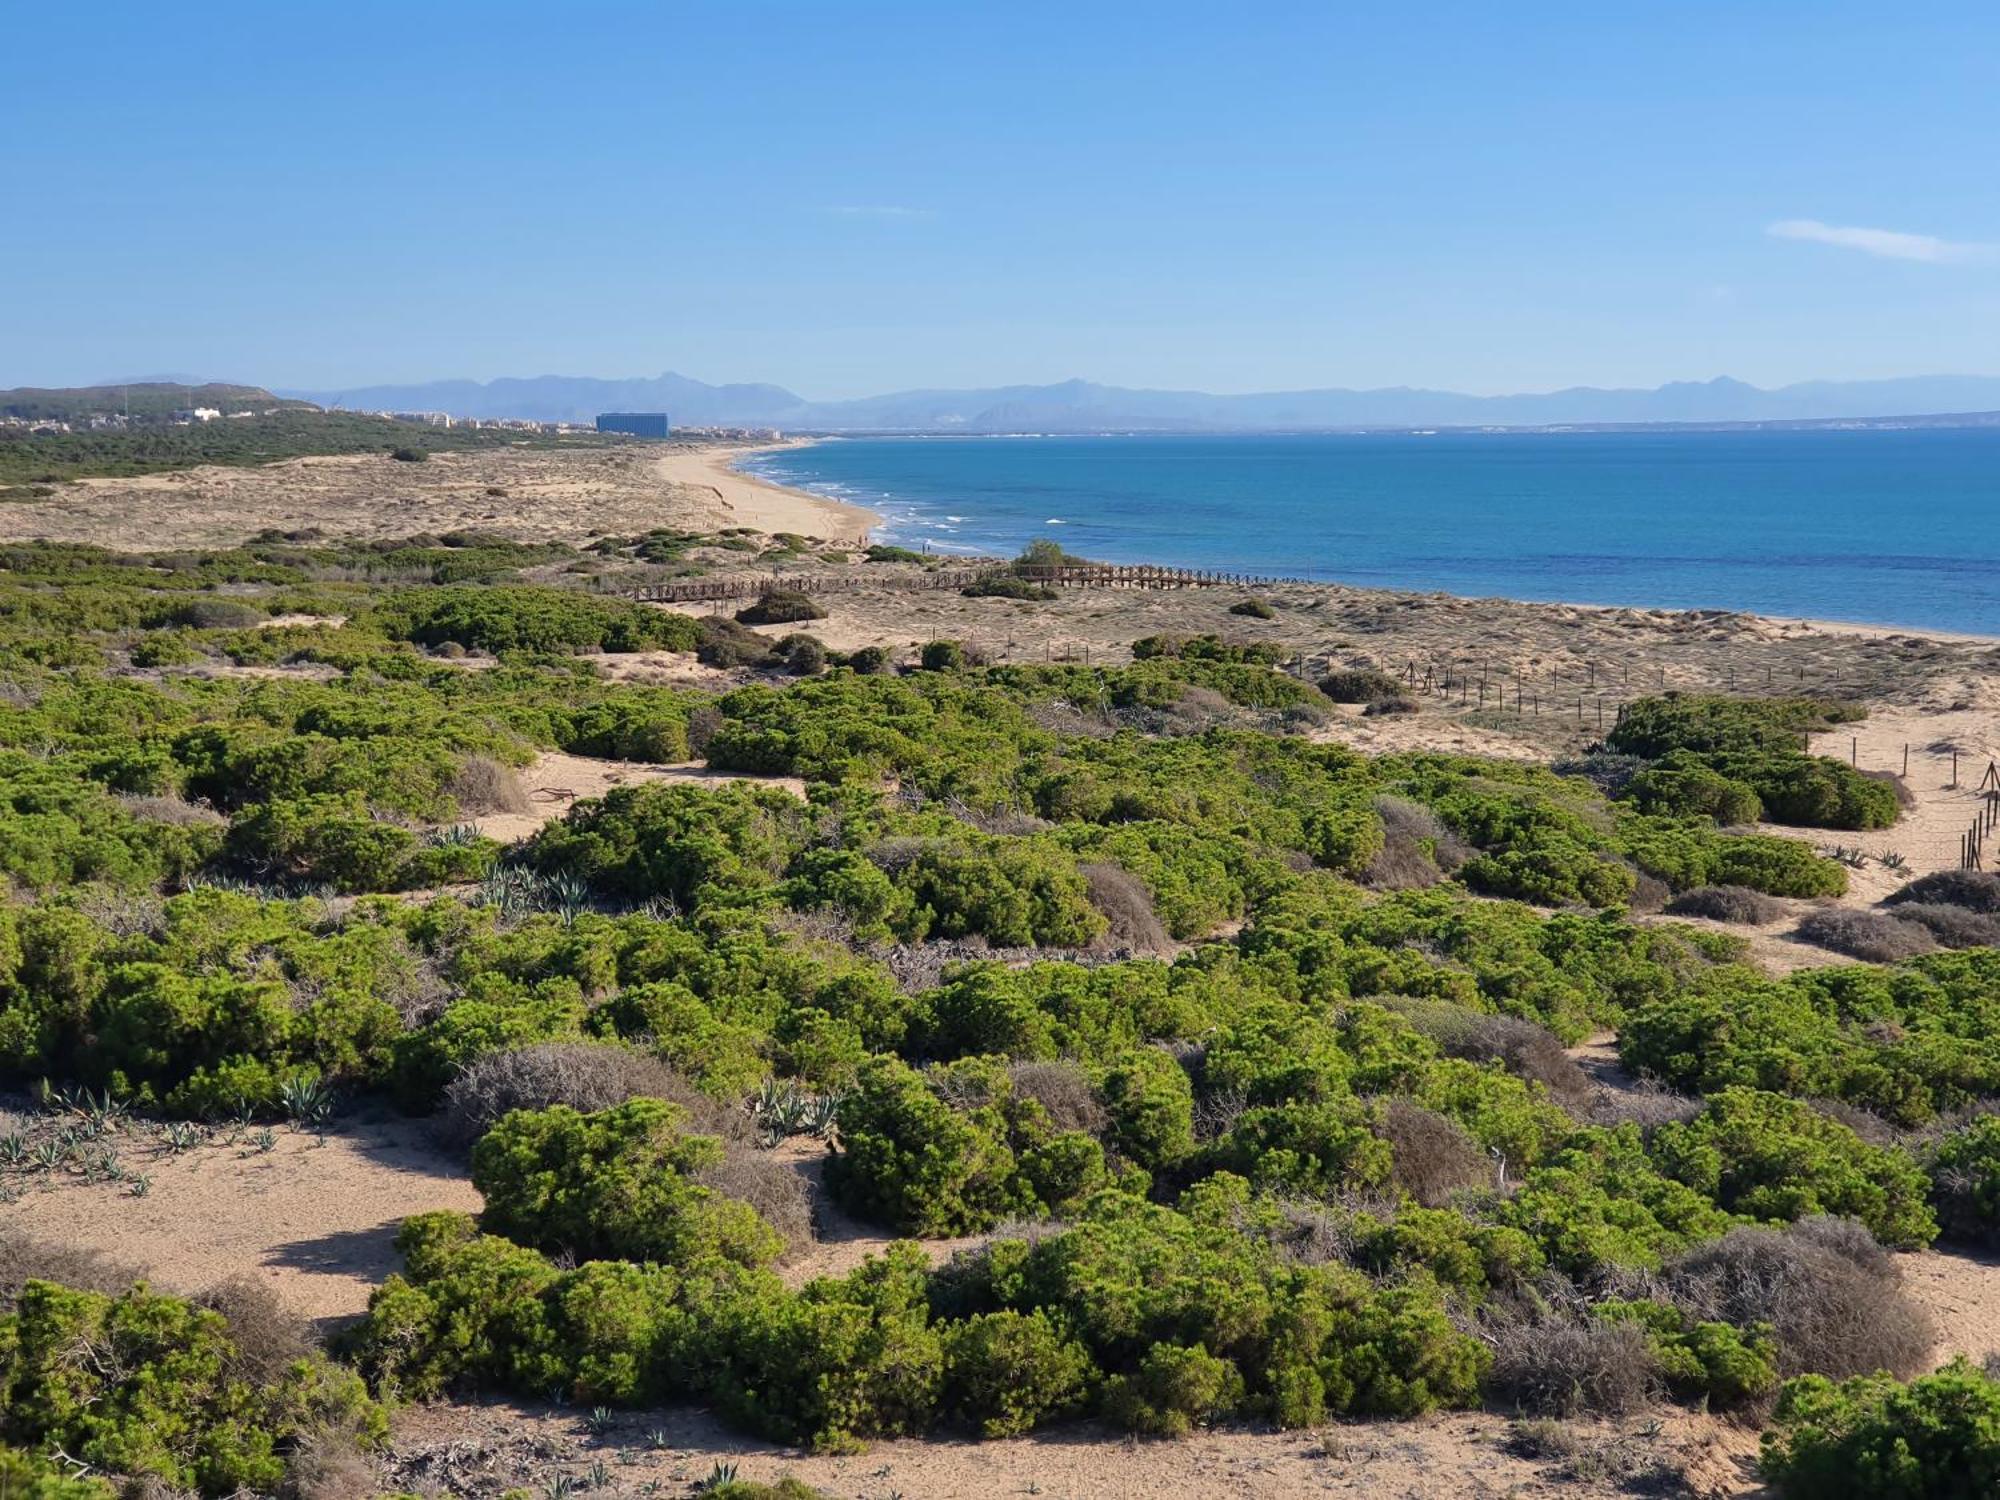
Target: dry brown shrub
{"x": 330, "y": 1463}
{"x": 1433, "y": 1157}
{"x": 1647, "y": 1103}
{"x": 1727, "y": 903}
{"x": 1381, "y": 706}
{"x": 1867, "y": 935}
{"x": 481, "y": 785}
{"x": 1649, "y": 893}
{"x": 1975, "y": 890}
{"x": 1523, "y": 1048}
{"x": 1064, "y": 1091}
{"x": 1418, "y": 850}
{"x": 268, "y": 1336}
{"x": 24, "y": 1258}
{"x": 1127, "y": 906}
{"x": 174, "y": 812}
{"x": 587, "y": 1076}
{"x": 704, "y": 723}
{"x": 773, "y": 1187}
{"x": 1561, "y": 1364}
{"x": 1870, "y": 1126}
{"x": 1953, "y": 926}
{"x": 1832, "y": 1296}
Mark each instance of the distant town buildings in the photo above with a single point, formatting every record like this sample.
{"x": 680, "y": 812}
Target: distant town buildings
{"x": 646, "y": 424}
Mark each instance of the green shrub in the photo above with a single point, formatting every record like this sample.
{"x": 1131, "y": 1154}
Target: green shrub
{"x": 1965, "y": 1180}
{"x": 780, "y": 607}
{"x": 942, "y": 656}
{"x": 1875, "y": 1438}
{"x": 1007, "y": 1372}
{"x": 619, "y": 1184}
{"x": 1694, "y": 792}
{"x": 1256, "y": 609}
{"x": 1775, "y": 1158}
{"x": 840, "y": 1363}
{"x": 912, "y": 1161}
{"x": 1007, "y": 586}
{"x": 1359, "y": 685}
{"x": 1174, "y": 1389}
{"x": 162, "y": 1392}
{"x": 521, "y": 617}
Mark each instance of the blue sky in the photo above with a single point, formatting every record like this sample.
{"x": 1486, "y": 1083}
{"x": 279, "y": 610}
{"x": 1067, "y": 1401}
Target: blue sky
{"x": 850, "y": 198}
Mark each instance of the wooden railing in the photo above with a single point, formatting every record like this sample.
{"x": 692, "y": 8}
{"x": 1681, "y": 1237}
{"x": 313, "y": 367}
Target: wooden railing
{"x": 1072, "y": 575}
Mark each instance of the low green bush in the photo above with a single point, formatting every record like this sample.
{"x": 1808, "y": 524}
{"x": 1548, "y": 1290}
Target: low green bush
{"x": 1775, "y": 1158}
{"x": 520, "y": 617}
{"x": 621, "y": 1184}
{"x": 1875, "y": 1438}
{"x": 148, "y": 1386}
{"x": 780, "y": 607}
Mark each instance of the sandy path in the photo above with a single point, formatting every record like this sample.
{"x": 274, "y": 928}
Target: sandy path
{"x": 315, "y": 1219}
{"x": 747, "y": 501}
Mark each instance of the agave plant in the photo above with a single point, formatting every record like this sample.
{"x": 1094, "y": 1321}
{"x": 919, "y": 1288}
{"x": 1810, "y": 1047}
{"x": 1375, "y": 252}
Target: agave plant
{"x": 307, "y": 1099}
{"x": 13, "y": 1150}
{"x": 456, "y": 836}
{"x": 785, "y": 1109}
{"x": 718, "y": 1476}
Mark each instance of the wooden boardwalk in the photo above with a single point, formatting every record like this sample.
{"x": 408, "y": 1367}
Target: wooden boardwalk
{"x": 1069, "y": 576}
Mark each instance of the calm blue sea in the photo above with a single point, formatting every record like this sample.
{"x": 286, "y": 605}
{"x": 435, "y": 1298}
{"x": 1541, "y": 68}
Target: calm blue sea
{"x": 1898, "y": 528}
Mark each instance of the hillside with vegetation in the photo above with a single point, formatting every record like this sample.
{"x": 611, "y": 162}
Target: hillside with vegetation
{"x": 1236, "y": 1064}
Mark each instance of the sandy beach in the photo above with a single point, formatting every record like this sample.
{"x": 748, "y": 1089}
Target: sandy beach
{"x": 759, "y": 503}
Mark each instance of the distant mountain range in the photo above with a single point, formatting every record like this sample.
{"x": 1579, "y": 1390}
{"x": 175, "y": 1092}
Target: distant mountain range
{"x": 1082, "y": 406}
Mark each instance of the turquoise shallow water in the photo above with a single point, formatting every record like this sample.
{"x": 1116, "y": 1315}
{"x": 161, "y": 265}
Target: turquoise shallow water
{"x": 1899, "y": 528}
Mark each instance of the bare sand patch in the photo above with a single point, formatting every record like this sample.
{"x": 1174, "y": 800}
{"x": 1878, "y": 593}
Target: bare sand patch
{"x": 556, "y": 780}
{"x": 1961, "y": 1291}
{"x": 482, "y": 1448}
{"x": 535, "y": 494}
{"x": 314, "y": 1218}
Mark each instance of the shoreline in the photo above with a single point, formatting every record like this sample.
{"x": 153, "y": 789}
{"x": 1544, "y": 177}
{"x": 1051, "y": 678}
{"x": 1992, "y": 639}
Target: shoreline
{"x": 756, "y": 502}
{"x": 725, "y": 461}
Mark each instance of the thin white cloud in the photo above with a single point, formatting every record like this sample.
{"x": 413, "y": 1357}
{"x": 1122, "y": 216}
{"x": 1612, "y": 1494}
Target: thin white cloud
{"x": 1888, "y": 244}
{"x": 879, "y": 211}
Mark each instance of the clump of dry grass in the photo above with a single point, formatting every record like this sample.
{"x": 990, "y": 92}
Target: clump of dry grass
{"x": 1432, "y": 1157}
{"x": 587, "y": 1076}
{"x": 1127, "y": 906}
{"x": 1064, "y": 1091}
{"x": 174, "y": 812}
{"x": 481, "y": 785}
{"x": 1647, "y": 1104}
{"x": 1558, "y": 1361}
{"x": 1953, "y": 926}
{"x": 1871, "y": 936}
{"x": 771, "y": 1186}
{"x": 267, "y": 1336}
{"x": 1727, "y": 903}
{"x": 1380, "y": 706}
{"x": 24, "y": 1258}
